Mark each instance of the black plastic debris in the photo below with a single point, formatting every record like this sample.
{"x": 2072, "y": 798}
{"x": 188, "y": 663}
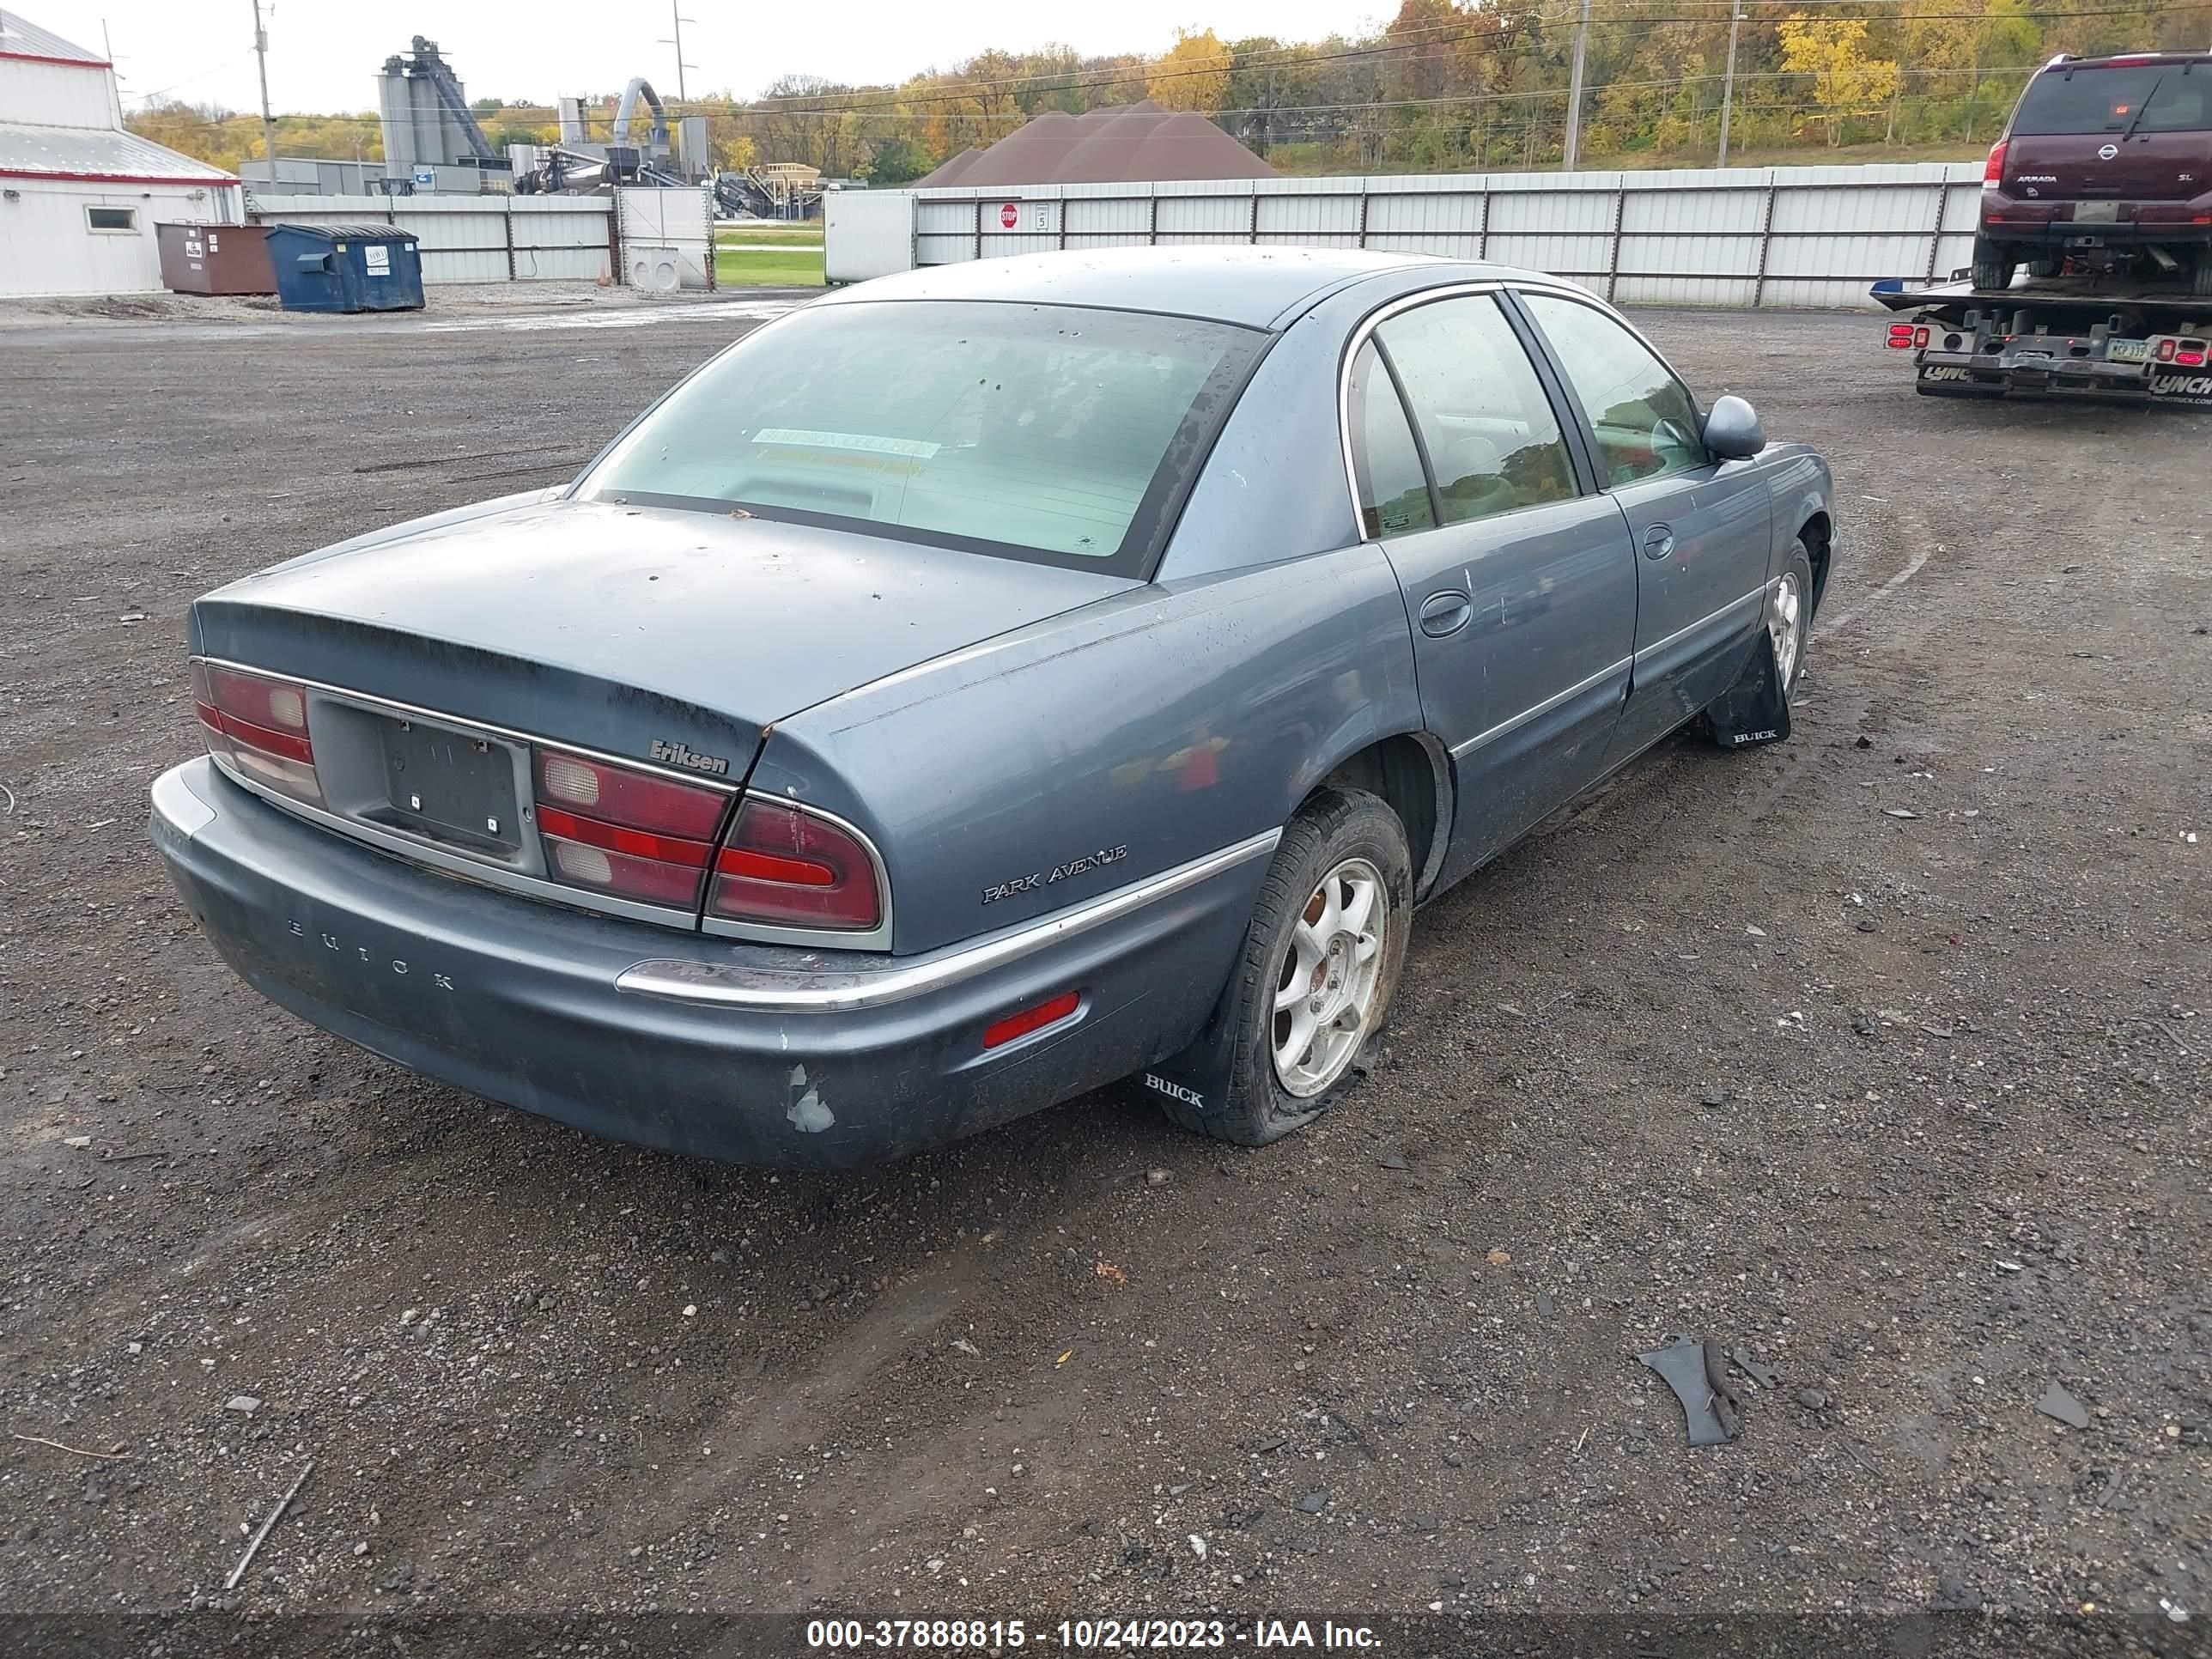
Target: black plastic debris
{"x": 2059, "y": 1403}
{"x": 1698, "y": 1373}
{"x": 1765, "y": 1375}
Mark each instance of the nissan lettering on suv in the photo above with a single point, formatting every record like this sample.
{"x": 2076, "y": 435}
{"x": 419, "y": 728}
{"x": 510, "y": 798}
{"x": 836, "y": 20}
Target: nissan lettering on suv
{"x": 2107, "y": 165}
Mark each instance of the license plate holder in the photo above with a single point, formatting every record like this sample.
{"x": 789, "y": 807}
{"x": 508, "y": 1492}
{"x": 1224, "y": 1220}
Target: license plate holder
{"x": 450, "y": 786}
{"x": 2096, "y": 213}
{"x": 2127, "y": 351}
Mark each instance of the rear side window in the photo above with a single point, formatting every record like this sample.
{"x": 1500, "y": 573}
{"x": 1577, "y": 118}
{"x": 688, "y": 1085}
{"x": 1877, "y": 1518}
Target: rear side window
{"x": 1048, "y": 432}
{"x": 1492, "y": 440}
{"x": 1394, "y": 488}
{"x": 2131, "y": 97}
{"x": 1645, "y": 423}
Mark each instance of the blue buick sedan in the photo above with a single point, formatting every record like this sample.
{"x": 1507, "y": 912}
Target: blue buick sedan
{"x": 983, "y": 685}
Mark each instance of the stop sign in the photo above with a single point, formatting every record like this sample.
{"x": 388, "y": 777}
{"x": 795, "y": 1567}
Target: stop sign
{"x": 1007, "y": 216}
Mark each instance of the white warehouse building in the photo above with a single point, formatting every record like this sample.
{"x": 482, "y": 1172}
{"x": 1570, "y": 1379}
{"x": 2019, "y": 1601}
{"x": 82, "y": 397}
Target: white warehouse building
{"x": 79, "y": 194}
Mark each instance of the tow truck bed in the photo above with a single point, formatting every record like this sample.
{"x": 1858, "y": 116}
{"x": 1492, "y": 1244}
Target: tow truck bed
{"x": 2085, "y": 337}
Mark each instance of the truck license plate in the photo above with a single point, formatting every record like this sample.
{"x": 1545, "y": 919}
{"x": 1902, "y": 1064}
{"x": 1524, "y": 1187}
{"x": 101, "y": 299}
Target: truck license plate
{"x": 2127, "y": 351}
{"x": 2096, "y": 213}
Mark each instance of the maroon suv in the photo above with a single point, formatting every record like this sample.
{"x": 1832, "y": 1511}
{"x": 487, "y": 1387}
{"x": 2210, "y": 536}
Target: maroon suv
{"x": 2108, "y": 162}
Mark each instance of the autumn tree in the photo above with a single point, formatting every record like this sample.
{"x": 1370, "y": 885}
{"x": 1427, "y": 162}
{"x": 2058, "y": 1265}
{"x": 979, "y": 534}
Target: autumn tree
{"x": 1192, "y": 74}
{"x": 1832, "y": 51}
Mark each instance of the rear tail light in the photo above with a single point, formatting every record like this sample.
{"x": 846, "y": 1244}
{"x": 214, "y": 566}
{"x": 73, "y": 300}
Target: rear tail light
{"x": 2166, "y": 350}
{"x": 1920, "y": 337}
{"x": 790, "y": 868}
{"x": 1901, "y": 336}
{"x": 629, "y": 834}
{"x": 259, "y": 725}
{"x": 1993, "y": 169}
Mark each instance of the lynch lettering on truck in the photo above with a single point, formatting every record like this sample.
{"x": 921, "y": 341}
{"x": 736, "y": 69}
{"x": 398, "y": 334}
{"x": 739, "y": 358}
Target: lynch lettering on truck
{"x": 1941, "y": 373}
{"x": 2181, "y": 386}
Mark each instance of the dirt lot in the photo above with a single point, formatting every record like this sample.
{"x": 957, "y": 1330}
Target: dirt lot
{"x": 1877, "y": 1053}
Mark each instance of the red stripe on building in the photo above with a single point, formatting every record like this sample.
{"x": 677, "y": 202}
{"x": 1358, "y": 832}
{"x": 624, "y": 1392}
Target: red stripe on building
{"x": 67, "y": 63}
{"x": 111, "y": 177}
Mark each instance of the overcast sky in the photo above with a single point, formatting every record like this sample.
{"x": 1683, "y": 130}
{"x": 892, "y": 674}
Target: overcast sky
{"x": 323, "y": 54}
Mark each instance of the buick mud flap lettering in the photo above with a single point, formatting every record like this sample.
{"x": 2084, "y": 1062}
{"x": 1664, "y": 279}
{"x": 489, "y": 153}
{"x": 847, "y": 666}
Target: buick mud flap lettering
{"x": 1174, "y": 1091}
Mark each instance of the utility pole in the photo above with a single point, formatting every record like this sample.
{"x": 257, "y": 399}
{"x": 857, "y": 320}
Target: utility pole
{"x": 268, "y": 127}
{"x": 1727, "y": 83}
{"x": 674, "y": 11}
{"x": 1574, "y": 145}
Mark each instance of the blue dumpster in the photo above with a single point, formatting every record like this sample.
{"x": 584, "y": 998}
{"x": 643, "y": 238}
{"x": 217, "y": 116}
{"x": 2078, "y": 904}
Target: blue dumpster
{"x": 346, "y": 267}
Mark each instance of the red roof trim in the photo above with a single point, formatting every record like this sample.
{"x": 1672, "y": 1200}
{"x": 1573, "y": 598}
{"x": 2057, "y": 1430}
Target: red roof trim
{"x": 71, "y": 63}
{"x": 114, "y": 178}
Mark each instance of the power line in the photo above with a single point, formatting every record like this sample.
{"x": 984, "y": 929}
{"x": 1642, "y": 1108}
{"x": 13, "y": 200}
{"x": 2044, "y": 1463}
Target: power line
{"x": 870, "y": 102}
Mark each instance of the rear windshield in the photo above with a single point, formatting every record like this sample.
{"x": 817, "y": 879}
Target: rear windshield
{"x": 2130, "y": 97}
{"x": 1048, "y": 432}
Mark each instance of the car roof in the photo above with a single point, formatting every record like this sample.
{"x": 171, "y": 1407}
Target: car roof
{"x": 1254, "y": 286}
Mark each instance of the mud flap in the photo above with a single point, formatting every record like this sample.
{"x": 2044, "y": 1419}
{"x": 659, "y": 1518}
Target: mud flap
{"x": 1756, "y": 708}
{"x": 1199, "y": 1077}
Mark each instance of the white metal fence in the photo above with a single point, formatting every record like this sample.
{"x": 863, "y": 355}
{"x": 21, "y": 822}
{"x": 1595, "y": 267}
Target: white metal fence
{"x": 1812, "y": 237}
{"x": 474, "y": 239}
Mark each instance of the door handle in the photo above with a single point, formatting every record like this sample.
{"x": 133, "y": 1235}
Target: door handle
{"x": 1658, "y": 541}
{"x": 1445, "y": 612}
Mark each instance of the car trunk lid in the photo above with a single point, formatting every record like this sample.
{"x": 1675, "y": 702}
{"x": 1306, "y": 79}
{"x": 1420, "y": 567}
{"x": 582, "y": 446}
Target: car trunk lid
{"x": 655, "y": 633}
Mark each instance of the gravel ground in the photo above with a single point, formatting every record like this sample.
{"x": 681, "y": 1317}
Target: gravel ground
{"x": 1876, "y": 1053}
{"x": 444, "y": 301}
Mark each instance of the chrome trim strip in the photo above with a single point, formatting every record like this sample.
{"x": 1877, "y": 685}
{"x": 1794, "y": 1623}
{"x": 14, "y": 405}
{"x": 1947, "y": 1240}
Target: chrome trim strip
{"x": 799, "y": 990}
{"x": 497, "y": 877}
{"x": 1543, "y": 707}
{"x": 504, "y": 878}
{"x": 463, "y": 723}
{"x": 1756, "y": 596}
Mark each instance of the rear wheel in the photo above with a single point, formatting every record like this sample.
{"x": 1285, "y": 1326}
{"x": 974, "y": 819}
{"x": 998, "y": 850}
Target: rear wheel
{"x": 1993, "y": 263}
{"x": 2044, "y": 269}
{"x": 1314, "y": 985}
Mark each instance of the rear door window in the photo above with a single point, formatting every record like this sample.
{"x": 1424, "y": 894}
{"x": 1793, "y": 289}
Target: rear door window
{"x": 1393, "y": 488}
{"x": 2143, "y": 97}
{"x": 1492, "y": 437}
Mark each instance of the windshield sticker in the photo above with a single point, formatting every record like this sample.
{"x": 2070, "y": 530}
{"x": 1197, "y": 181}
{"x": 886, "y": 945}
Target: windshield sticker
{"x": 916, "y": 447}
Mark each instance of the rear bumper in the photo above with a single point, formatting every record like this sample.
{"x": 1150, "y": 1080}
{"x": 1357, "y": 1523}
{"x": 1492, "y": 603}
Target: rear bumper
{"x": 1960, "y": 374}
{"x": 2020, "y": 223}
{"x": 756, "y": 1054}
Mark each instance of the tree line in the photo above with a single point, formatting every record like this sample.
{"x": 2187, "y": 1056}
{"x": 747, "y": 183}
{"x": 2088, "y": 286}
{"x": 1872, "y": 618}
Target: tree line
{"x": 1444, "y": 87}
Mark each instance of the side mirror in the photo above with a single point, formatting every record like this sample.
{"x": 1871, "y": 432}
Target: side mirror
{"x": 1733, "y": 432}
